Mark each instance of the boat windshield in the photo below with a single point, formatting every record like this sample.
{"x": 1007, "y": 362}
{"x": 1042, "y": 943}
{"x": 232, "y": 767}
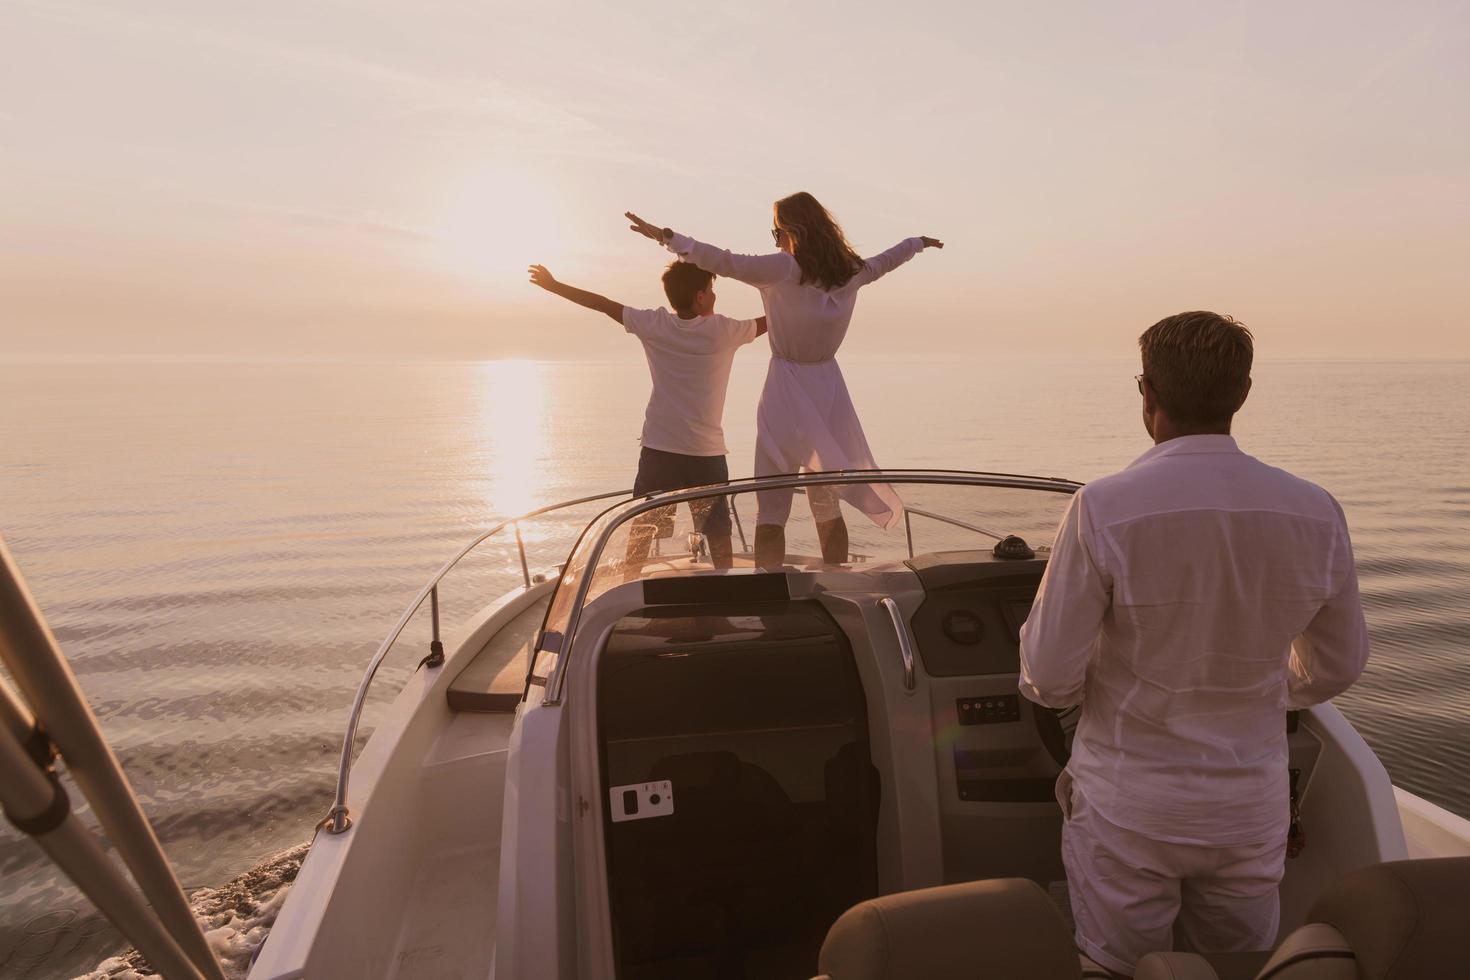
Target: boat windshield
{"x": 679, "y": 533}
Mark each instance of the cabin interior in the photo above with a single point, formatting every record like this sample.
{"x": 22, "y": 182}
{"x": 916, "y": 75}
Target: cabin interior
{"x": 768, "y": 761}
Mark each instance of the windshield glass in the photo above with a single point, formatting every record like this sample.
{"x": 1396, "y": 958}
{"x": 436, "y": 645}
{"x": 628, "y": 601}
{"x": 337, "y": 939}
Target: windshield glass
{"x": 940, "y": 513}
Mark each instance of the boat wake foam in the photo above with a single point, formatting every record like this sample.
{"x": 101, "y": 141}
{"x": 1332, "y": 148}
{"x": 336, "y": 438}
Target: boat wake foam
{"x": 235, "y": 918}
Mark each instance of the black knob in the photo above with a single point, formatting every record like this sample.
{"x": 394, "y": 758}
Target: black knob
{"x": 1012, "y": 546}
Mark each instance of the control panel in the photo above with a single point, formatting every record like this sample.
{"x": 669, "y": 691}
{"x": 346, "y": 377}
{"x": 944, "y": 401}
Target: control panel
{"x": 990, "y": 709}
{"x": 969, "y": 623}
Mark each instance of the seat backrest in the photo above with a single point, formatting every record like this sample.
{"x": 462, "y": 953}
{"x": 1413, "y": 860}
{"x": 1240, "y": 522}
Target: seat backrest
{"x": 1313, "y": 952}
{"x": 1316, "y": 951}
{"x": 1218, "y": 966}
{"x": 978, "y": 930}
{"x": 1403, "y": 919}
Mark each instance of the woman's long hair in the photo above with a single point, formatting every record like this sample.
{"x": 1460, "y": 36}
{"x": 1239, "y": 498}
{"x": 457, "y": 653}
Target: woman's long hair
{"x": 822, "y": 250}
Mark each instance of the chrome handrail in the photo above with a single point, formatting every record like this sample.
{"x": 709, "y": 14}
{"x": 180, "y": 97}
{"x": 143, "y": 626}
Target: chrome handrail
{"x": 557, "y": 679}
{"x": 905, "y": 642}
{"x": 337, "y": 819}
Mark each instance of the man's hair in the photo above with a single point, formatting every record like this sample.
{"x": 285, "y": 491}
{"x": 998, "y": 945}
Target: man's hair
{"x": 1199, "y": 366}
{"x": 682, "y": 280}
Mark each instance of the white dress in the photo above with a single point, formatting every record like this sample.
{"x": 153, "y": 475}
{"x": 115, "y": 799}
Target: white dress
{"x": 806, "y": 417}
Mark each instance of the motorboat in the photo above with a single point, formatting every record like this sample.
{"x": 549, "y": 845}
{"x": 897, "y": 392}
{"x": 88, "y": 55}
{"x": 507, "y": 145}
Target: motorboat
{"x": 638, "y": 764}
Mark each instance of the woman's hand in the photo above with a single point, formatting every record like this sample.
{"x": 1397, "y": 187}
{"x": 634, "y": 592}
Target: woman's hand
{"x": 541, "y": 276}
{"x": 931, "y": 242}
{"x": 645, "y": 229}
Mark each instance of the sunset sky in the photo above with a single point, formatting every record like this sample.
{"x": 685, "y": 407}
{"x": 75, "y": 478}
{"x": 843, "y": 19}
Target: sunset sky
{"x": 370, "y": 180}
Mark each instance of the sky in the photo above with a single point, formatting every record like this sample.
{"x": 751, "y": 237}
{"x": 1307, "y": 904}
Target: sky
{"x": 370, "y": 180}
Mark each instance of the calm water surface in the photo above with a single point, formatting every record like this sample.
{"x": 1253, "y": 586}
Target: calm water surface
{"x": 220, "y": 548}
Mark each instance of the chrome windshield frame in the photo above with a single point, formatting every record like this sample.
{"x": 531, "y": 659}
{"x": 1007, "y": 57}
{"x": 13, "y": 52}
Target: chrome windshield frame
{"x": 614, "y": 517}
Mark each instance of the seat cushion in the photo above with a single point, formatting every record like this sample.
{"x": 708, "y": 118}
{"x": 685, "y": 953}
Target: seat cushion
{"x": 1403, "y": 919}
{"x": 1174, "y": 966}
{"x": 495, "y": 679}
{"x": 1316, "y": 951}
{"x": 1002, "y": 928}
{"x": 1192, "y": 966}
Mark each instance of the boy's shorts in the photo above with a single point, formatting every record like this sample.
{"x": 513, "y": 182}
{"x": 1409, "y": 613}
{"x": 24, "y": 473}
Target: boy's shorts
{"x": 659, "y": 471}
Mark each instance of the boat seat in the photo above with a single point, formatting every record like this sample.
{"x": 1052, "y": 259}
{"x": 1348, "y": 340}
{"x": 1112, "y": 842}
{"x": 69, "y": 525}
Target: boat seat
{"x": 495, "y": 679}
{"x": 1003, "y": 928}
{"x": 1393, "y": 921}
{"x": 1307, "y": 949}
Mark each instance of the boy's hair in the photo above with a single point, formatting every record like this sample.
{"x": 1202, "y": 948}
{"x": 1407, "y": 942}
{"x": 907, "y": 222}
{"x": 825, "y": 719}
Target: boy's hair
{"x": 1199, "y": 365}
{"x": 682, "y": 280}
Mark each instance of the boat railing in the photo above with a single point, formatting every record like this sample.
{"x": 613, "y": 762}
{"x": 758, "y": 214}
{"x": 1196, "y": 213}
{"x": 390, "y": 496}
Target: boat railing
{"x": 609, "y": 523}
{"x": 337, "y": 819}
{"x": 911, "y": 512}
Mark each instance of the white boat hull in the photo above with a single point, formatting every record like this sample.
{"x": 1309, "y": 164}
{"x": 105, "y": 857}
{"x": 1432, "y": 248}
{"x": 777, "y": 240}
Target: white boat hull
{"x": 414, "y": 887}
{"x": 411, "y": 887}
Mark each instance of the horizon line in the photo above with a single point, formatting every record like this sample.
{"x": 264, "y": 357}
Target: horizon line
{"x": 184, "y": 360}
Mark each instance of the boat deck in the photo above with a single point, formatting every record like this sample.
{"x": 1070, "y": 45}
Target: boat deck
{"x": 495, "y": 679}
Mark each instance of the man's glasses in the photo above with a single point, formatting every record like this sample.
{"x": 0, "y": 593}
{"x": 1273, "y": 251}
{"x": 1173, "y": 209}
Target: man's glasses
{"x": 776, "y": 234}
{"x": 1140, "y": 378}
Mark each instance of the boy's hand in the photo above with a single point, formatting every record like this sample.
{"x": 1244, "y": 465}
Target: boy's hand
{"x": 644, "y": 228}
{"x": 541, "y": 276}
{"x": 931, "y": 242}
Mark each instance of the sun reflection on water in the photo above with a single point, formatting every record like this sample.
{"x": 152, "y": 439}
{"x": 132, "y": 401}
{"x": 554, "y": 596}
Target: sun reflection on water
{"x": 513, "y": 427}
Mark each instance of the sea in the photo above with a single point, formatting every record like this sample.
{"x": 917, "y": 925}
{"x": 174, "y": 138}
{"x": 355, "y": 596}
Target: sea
{"x": 219, "y": 548}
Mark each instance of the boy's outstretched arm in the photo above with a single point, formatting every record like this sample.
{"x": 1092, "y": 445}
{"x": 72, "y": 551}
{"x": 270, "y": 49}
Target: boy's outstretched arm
{"x": 540, "y": 276}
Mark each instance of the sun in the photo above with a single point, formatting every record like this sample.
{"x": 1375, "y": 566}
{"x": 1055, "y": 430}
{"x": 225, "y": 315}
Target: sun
{"x": 495, "y": 223}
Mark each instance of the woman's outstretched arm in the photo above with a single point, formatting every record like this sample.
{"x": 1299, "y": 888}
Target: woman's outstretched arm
{"x": 885, "y": 262}
{"x": 757, "y": 270}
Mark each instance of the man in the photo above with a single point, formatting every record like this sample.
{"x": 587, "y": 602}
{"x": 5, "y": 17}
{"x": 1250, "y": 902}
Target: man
{"x": 1189, "y": 601}
{"x": 689, "y": 352}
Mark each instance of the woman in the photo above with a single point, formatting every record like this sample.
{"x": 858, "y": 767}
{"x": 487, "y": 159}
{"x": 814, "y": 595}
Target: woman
{"x": 806, "y": 418}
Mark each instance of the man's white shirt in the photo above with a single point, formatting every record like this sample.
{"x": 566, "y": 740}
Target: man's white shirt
{"x": 1189, "y": 600}
{"x": 690, "y": 364}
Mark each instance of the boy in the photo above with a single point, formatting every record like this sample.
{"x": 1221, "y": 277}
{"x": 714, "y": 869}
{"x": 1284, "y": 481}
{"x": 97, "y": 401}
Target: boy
{"x": 689, "y": 353}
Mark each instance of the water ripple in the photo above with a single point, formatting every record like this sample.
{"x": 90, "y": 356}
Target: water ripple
{"x": 219, "y": 549}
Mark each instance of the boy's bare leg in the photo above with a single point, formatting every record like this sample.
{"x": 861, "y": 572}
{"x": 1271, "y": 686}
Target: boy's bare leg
{"x": 770, "y": 545}
{"x": 833, "y": 536}
{"x": 721, "y": 551}
{"x": 640, "y": 540}
{"x": 654, "y": 524}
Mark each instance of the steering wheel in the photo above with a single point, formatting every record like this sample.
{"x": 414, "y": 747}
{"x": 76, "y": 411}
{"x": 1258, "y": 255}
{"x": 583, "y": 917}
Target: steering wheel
{"x": 1056, "y": 727}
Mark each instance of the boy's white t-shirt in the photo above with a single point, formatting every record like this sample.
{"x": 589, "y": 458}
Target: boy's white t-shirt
{"x": 690, "y": 363}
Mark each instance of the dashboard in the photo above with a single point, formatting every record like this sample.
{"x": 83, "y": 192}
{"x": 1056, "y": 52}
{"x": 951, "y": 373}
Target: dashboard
{"x": 973, "y": 608}
{"x": 996, "y": 755}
